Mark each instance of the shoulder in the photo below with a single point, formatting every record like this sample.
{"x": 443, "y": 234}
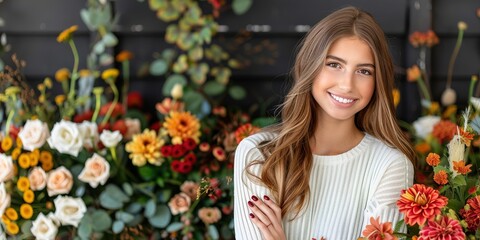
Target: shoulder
{"x": 387, "y": 156}
{"x": 247, "y": 150}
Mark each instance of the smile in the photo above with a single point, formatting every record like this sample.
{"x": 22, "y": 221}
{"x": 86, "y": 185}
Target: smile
{"x": 340, "y": 99}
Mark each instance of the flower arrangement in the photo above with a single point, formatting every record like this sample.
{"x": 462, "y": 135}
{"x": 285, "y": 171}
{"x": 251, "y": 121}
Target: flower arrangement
{"x": 86, "y": 164}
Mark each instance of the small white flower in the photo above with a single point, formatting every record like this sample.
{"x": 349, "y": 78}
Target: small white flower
{"x": 6, "y": 167}
{"x": 34, "y": 134}
{"x": 177, "y": 91}
{"x": 96, "y": 171}
{"x": 69, "y": 210}
{"x": 475, "y": 103}
{"x": 89, "y": 131}
{"x": 43, "y": 228}
{"x": 110, "y": 139}
{"x": 424, "y": 125}
{"x": 4, "y": 199}
{"x": 66, "y": 138}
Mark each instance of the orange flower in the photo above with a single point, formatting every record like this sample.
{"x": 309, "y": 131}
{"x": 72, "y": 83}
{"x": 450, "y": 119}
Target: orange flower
{"x": 422, "y": 148}
{"x": 124, "y": 56}
{"x": 376, "y": 230}
{"x": 413, "y": 73}
{"x": 182, "y": 125}
{"x": 396, "y": 96}
{"x": 428, "y": 39}
{"x": 67, "y": 34}
{"x": 444, "y": 131}
{"x": 420, "y": 203}
{"x": 441, "y": 177}
{"x": 433, "y": 159}
{"x": 167, "y": 105}
{"x": 459, "y": 167}
{"x": 466, "y": 137}
{"x": 145, "y": 147}
{"x": 244, "y": 131}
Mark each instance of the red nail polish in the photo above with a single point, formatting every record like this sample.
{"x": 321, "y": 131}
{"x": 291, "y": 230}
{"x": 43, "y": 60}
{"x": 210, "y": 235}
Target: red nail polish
{"x": 254, "y": 198}
{"x": 266, "y": 197}
{"x": 251, "y": 215}
{"x": 250, "y": 204}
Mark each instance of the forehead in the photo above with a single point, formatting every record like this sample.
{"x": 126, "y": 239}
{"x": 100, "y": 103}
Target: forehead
{"x": 352, "y": 48}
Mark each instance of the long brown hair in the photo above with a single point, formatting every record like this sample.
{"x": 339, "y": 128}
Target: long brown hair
{"x": 289, "y": 159}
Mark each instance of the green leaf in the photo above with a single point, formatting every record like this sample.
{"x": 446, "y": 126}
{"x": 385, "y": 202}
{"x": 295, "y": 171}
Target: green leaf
{"x": 171, "y": 81}
{"x": 168, "y": 13}
{"x": 264, "y": 121}
{"x": 156, "y": 4}
{"x": 175, "y": 227}
{"x": 124, "y": 216}
{"x": 399, "y": 225}
{"x": 110, "y": 40}
{"x": 241, "y": 6}
{"x": 102, "y": 221}
{"x": 459, "y": 180}
{"x": 26, "y": 226}
{"x": 85, "y": 229}
{"x": 196, "y": 53}
{"x": 109, "y": 202}
{"x": 134, "y": 208}
{"x": 118, "y": 227}
{"x": 237, "y": 92}
{"x": 127, "y": 188}
{"x": 214, "y": 88}
{"x": 99, "y": 47}
{"x": 105, "y": 59}
{"x": 147, "y": 172}
{"x": 150, "y": 208}
{"x": 193, "y": 101}
{"x": 161, "y": 218}
{"x": 455, "y": 204}
{"x": 158, "y": 67}
{"x": 213, "y": 232}
{"x": 169, "y": 54}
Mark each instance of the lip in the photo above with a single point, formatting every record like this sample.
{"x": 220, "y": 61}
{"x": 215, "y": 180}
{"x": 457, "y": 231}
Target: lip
{"x": 342, "y": 100}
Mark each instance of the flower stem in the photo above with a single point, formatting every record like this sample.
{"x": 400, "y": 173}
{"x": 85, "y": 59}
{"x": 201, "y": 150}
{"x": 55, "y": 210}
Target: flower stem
{"x": 126, "y": 83}
{"x": 453, "y": 57}
{"x": 473, "y": 80}
{"x": 114, "y": 103}
{"x": 71, "y": 93}
{"x": 423, "y": 88}
{"x": 97, "y": 107}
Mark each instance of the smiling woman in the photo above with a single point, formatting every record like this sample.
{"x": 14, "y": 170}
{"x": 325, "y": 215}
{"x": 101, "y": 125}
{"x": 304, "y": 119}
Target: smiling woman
{"x": 337, "y": 157}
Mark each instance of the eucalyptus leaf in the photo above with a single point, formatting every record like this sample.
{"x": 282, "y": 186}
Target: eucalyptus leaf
{"x": 193, "y": 101}
{"x": 213, "y": 232}
{"x": 161, "y": 218}
{"x": 99, "y": 47}
{"x": 156, "y": 4}
{"x": 169, "y": 54}
{"x": 214, "y": 88}
{"x": 124, "y": 216}
{"x": 109, "y": 202}
{"x": 158, "y": 67}
{"x": 237, "y": 92}
{"x": 134, "y": 208}
{"x": 118, "y": 227}
{"x": 150, "y": 208}
{"x": 102, "y": 220}
{"x": 80, "y": 191}
{"x": 105, "y": 59}
{"x": 85, "y": 229}
{"x": 26, "y": 226}
{"x": 146, "y": 172}
{"x": 175, "y": 227}
{"x": 117, "y": 193}
{"x": 241, "y": 6}
{"x": 110, "y": 40}
{"x": 127, "y": 188}
{"x": 168, "y": 13}
{"x": 171, "y": 81}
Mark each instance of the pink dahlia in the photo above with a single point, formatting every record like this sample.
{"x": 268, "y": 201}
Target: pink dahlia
{"x": 444, "y": 228}
{"x": 420, "y": 203}
{"x": 472, "y": 215}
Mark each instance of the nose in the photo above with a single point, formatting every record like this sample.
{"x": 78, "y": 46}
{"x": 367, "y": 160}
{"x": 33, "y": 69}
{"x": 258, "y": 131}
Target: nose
{"x": 345, "y": 82}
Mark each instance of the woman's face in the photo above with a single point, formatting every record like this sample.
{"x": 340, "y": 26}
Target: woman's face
{"x": 346, "y": 81}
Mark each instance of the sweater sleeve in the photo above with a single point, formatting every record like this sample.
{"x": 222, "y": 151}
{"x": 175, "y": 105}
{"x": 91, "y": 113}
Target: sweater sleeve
{"x": 244, "y": 188}
{"x": 398, "y": 175}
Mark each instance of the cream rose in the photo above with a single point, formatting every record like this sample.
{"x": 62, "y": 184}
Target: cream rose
{"x": 44, "y": 228}
{"x": 4, "y": 199}
{"x": 6, "y": 167}
{"x": 69, "y": 210}
{"x": 37, "y": 178}
{"x": 59, "y": 181}
{"x": 424, "y": 125}
{"x": 209, "y": 215}
{"x": 190, "y": 188}
{"x": 96, "y": 171}
{"x": 179, "y": 203}
{"x": 110, "y": 139}
{"x": 89, "y": 131}
{"x": 66, "y": 138}
{"x": 34, "y": 134}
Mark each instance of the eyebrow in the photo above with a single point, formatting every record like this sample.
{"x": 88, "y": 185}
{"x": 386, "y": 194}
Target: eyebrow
{"x": 345, "y": 62}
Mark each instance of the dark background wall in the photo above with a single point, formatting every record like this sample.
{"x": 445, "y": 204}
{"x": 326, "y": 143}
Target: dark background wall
{"x": 276, "y": 25}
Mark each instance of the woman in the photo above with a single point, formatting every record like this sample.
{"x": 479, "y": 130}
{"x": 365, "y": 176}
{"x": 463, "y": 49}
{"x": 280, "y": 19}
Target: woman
{"x": 337, "y": 157}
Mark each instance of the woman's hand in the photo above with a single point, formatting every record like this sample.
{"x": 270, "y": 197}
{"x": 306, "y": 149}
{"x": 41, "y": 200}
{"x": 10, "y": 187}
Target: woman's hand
{"x": 267, "y": 216}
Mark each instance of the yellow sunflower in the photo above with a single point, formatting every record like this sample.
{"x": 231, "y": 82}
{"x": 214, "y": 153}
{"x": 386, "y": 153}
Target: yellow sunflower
{"x": 111, "y": 73}
{"x": 12, "y": 228}
{"x": 23, "y": 184}
{"x": 28, "y": 196}
{"x": 24, "y": 160}
{"x": 7, "y": 143}
{"x": 62, "y": 74}
{"x": 182, "y": 125}
{"x": 26, "y": 211}
{"x": 11, "y": 214}
{"x": 67, "y": 34}
{"x": 145, "y": 147}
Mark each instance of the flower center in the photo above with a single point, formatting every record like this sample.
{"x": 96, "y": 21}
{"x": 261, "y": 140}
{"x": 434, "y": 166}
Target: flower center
{"x": 421, "y": 199}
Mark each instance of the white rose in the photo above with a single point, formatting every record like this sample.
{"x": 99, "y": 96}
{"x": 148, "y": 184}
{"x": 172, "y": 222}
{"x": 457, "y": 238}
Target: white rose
{"x": 43, "y": 228}
{"x": 4, "y": 199}
{"x": 37, "y": 178}
{"x": 34, "y": 134}
{"x": 110, "y": 139}
{"x": 89, "y": 131}
{"x": 6, "y": 167}
{"x": 96, "y": 171}
{"x": 69, "y": 210}
{"x": 133, "y": 127}
{"x": 424, "y": 125}
{"x": 66, "y": 138}
{"x": 59, "y": 181}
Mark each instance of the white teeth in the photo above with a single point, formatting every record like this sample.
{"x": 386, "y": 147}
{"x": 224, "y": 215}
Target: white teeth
{"x": 342, "y": 100}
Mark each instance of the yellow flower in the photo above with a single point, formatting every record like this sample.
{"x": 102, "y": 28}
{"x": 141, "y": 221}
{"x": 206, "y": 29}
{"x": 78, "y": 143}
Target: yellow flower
{"x": 111, "y": 73}
{"x": 26, "y": 211}
{"x": 19, "y": 143}
{"x": 23, "y": 184}
{"x": 396, "y": 97}
{"x": 67, "y": 34}
{"x": 59, "y": 99}
{"x": 12, "y": 90}
{"x": 5, "y": 219}
{"x": 12, "y": 228}
{"x": 182, "y": 125}
{"x": 124, "y": 56}
{"x": 28, "y": 196}
{"x": 11, "y": 214}
{"x": 24, "y": 160}
{"x": 45, "y": 156}
{"x": 145, "y": 147}
{"x": 41, "y": 87}
{"x": 47, "y": 165}
{"x": 434, "y": 107}
{"x": 7, "y": 143}
{"x": 34, "y": 156}
{"x": 450, "y": 111}
{"x": 15, "y": 153}
{"x": 462, "y": 25}
{"x": 413, "y": 73}
{"x": 62, "y": 74}
{"x": 85, "y": 73}
{"x": 48, "y": 82}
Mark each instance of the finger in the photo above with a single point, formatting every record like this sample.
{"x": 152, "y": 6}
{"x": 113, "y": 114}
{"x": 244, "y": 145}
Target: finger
{"x": 267, "y": 215}
{"x": 276, "y": 209}
{"x": 264, "y": 229}
{"x": 258, "y": 212}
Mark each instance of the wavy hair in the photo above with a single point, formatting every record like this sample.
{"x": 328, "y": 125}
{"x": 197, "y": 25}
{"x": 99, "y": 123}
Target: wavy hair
{"x": 288, "y": 157}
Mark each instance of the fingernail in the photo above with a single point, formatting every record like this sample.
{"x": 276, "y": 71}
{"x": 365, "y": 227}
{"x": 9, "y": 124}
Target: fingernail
{"x": 250, "y": 204}
{"x": 254, "y": 198}
{"x": 251, "y": 215}
{"x": 266, "y": 197}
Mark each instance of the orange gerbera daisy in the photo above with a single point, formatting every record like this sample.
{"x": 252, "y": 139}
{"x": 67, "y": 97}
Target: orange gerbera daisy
{"x": 459, "y": 167}
{"x": 67, "y": 34}
{"x": 145, "y": 147}
{"x": 441, "y": 177}
{"x": 433, "y": 159}
{"x": 420, "y": 203}
{"x": 244, "y": 131}
{"x": 182, "y": 125}
{"x": 376, "y": 230}
{"x": 444, "y": 131}
{"x": 124, "y": 56}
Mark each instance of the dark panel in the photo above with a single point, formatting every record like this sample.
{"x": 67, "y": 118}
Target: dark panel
{"x": 467, "y": 61}
{"x": 447, "y": 14}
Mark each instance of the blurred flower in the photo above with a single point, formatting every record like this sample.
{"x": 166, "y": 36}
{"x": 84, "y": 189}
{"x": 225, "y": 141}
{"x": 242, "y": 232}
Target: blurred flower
{"x": 67, "y": 34}
{"x": 444, "y": 131}
{"x": 471, "y": 213}
{"x": 433, "y": 159}
{"x": 428, "y": 38}
{"x": 167, "y": 106}
{"x": 180, "y": 203}
{"x": 461, "y": 168}
{"x": 191, "y": 189}
{"x": 209, "y": 215}
{"x": 66, "y": 138}
{"x": 59, "y": 181}
{"x": 110, "y": 139}
{"x": 124, "y": 56}
{"x": 424, "y": 125}
{"x": 444, "y": 228}
{"x": 413, "y": 73}
{"x": 44, "y": 228}
{"x": 6, "y": 167}
{"x": 34, "y": 134}
{"x": 396, "y": 96}
{"x": 37, "y": 178}
{"x": 62, "y": 74}
{"x": 4, "y": 198}
{"x": 111, "y": 73}
{"x": 449, "y": 96}
{"x": 177, "y": 91}
{"x": 145, "y": 147}
{"x": 96, "y": 171}
{"x": 245, "y": 131}
{"x": 69, "y": 210}
{"x": 376, "y": 230}
{"x": 181, "y": 125}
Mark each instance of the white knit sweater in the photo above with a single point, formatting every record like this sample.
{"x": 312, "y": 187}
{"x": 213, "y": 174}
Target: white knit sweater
{"x": 346, "y": 190}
